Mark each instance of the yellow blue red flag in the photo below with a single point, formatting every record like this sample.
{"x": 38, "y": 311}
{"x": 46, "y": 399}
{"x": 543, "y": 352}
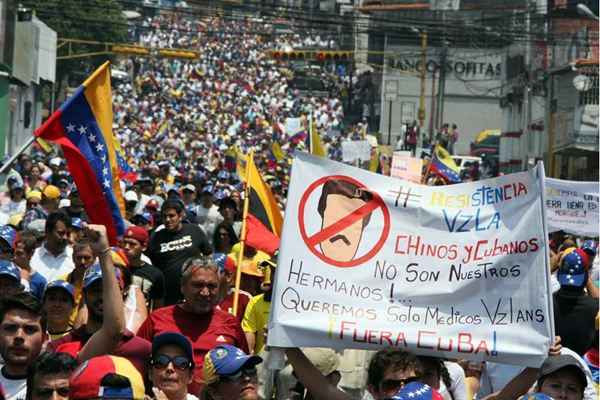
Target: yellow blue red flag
{"x": 82, "y": 126}
{"x": 444, "y": 166}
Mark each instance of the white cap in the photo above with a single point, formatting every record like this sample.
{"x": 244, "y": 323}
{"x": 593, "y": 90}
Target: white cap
{"x": 190, "y": 187}
{"x": 130, "y": 195}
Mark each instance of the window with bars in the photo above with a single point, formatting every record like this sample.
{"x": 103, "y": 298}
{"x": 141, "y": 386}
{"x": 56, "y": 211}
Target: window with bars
{"x": 591, "y": 95}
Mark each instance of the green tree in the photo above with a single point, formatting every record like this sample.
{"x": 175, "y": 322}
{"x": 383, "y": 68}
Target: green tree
{"x": 97, "y": 20}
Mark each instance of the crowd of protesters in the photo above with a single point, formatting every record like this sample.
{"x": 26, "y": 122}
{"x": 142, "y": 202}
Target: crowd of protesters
{"x": 153, "y": 316}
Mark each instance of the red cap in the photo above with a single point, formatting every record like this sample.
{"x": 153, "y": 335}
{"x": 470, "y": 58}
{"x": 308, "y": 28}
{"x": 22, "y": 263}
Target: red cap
{"x": 87, "y": 380}
{"x": 138, "y": 233}
{"x": 229, "y": 264}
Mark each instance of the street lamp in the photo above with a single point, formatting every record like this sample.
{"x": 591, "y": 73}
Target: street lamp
{"x": 584, "y": 10}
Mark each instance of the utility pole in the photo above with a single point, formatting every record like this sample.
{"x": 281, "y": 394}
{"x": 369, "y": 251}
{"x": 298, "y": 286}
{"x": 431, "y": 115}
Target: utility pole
{"x": 421, "y": 114}
{"x": 527, "y": 92}
{"x": 442, "y": 87}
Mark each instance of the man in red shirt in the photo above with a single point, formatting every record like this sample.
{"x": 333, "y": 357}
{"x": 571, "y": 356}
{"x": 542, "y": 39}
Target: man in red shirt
{"x": 198, "y": 317}
{"x": 104, "y": 332}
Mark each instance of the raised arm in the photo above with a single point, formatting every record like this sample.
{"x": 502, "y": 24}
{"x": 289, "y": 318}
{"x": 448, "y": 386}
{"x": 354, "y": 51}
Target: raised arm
{"x": 312, "y": 379}
{"x": 107, "y": 338}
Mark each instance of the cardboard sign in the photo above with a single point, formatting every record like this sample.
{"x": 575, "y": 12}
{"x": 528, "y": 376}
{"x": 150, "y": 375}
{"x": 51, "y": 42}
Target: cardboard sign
{"x": 368, "y": 261}
{"x": 404, "y": 166}
{"x": 572, "y": 207}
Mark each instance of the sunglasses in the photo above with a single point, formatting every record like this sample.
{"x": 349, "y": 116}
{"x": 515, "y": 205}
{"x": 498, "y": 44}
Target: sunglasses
{"x": 46, "y": 393}
{"x": 161, "y": 361}
{"x": 238, "y": 376}
{"x": 390, "y": 385}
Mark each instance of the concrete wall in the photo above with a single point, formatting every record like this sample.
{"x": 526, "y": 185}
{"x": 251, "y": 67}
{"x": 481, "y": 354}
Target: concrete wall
{"x": 471, "y": 100}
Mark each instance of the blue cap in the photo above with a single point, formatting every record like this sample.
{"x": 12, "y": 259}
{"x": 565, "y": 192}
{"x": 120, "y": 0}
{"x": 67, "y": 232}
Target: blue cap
{"x": 76, "y": 223}
{"x": 226, "y": 359}
{"x": 223, "y": 175}
{"x": 8, "y": 268}
{"x": 535, "y": 396}
{"x": 208, "y": 189}
{"x": 416, "y": 391}
{"x": 572, "y": 271}
{"x": 590, "y": 247}
{"x": 146, "y": 216}
{"x": 176, "y": 339}
{"x": 66, "y": 286}
{"x": 94, "y": 273}
{"x": 8, "y": 234}
{"x": 219, "y": 259}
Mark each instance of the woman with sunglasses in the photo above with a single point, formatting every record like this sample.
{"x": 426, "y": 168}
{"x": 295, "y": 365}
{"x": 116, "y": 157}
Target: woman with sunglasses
{"x": 171, "y": 367}
{"x": 230, "y": 374}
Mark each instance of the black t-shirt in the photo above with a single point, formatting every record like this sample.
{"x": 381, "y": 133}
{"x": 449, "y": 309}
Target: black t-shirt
{"x": 169, "y": 250}
{"x": 574, "y": 317}
{"x": 151, "y": 281}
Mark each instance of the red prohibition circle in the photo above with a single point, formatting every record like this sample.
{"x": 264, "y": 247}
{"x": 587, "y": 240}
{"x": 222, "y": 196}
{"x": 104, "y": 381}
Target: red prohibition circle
{"x": 362, "y": 259}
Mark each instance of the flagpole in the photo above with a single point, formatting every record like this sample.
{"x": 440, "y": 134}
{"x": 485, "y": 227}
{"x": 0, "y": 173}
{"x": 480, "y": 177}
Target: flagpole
{"x": 310, "y": 134}
{"x": 238, "y": 270}
{"x": 12, "y": 159}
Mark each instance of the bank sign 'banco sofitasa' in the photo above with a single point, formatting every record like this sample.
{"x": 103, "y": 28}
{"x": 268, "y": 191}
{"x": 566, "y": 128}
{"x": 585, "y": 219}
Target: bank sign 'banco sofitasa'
{"x": 368, "y": 261}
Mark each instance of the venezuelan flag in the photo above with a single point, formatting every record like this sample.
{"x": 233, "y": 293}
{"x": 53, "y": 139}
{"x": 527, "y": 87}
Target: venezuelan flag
{"x": 444, "y": 166}
{"x": 82, "y": 126}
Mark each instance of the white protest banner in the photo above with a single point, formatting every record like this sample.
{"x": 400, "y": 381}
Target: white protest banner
{"x": 572, "y": 207}
{"x": 368, "y": 261}
{"x": 356, "y": 150}
{"x": 404, "y": 166}
{"x": 293, "y": 126}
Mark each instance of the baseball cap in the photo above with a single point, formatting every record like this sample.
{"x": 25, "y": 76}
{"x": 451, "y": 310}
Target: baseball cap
{"x": 56, "y": 161}
{"x": 15, "y": 220}
{"x": 94, "y": 273}
{"x": 226, "y": 359}
{"x": 143, "y": 218}
{"x": 572, "y": 271}
{"x": 416, "y": 391}
{"x": 555, "y": 363}
{"x": 92, "y": 380}
{"x": 52, "y": 192}
{"x": 224, "y": 262}
{"x": 208, "y": 189}
{"x": 61, "y": 285}
{"x": 33, "y": 194}
{"x": 8, "y": 268}
{"x": 190, "y": 188}
{"x": 76, "y": 223}
{"x": 8, "y": 234}
{"x": 535, "y": 396}
{"x": 324, "y": 359}
{"x": 138, "y": 233}
{"x": 590, "y": 247}
{"x": 176, "y": 339}
{"x": 130, "y": 195}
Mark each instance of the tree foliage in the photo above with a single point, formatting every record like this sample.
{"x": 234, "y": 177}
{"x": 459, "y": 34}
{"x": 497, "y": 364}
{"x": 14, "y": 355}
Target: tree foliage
{"x": 97, "y": 20}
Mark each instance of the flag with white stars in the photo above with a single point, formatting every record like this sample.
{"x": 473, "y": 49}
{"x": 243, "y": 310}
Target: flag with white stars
{"x": 83, "y": 128}
{"x": 416, "y": 391}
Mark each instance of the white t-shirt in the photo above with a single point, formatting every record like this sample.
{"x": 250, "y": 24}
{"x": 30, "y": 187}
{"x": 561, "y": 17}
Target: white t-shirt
{"x": 14, "y": 389}
{"x": 457, "y": 379}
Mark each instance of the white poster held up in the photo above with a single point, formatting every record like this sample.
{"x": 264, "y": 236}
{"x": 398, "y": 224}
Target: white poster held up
{"x": 572, "y": 207}
{"x": 356, "y": 150}
{"x": 293, "y": 126}
{"x": 368, "y": 261}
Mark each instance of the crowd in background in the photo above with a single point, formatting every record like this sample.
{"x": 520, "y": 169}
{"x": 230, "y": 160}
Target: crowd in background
{"x": 153, "y": 315}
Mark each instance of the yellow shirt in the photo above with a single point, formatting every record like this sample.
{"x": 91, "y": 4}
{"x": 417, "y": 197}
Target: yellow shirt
{"x": 255, "y": 320}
